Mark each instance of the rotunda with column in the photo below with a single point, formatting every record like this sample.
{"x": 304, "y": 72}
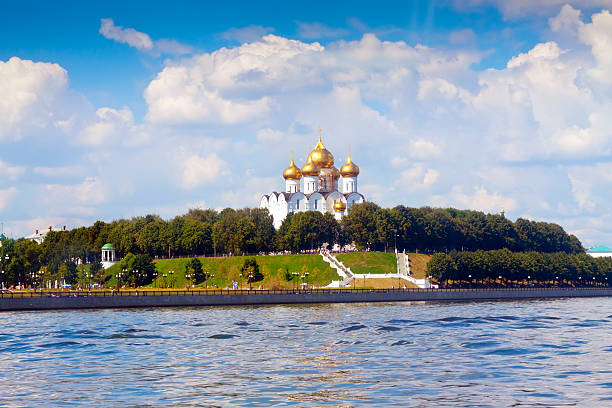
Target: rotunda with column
{"x": 108, "y": 256}
{"x": 317, "y": 186}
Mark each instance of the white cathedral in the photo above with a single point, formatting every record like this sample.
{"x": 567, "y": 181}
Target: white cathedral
{"x": 315, "y": 187}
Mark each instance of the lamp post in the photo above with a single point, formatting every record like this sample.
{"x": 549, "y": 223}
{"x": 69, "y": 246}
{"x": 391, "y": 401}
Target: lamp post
{"x": 250, "y": 279}
{"x": 155, "y": 282}
{"x": 118, "y": 276}
{"x": 295, "y": 275}
{"x": 171, "y": 278}
{"x": 212, "y": 275}
{"x": 528, "y": 279}
{"x": 500, "y": 280}
{"x": 240, "y": 280}
{"x": 306, "y": 274}
{"x": 188, "y": 278}
{"x": 164, "y": 275}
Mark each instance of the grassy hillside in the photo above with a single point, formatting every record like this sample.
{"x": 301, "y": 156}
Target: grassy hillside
{"x": 227, "y": 269}
{"x": 369, "y": 262}
{"x": 381, "y": 262}
{"x": 418, "y": 265}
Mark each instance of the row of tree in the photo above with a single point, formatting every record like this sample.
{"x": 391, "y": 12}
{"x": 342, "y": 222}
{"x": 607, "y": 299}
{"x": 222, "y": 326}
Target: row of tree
{"x": 503, "y": 267}
{"x": 247, "y": 231}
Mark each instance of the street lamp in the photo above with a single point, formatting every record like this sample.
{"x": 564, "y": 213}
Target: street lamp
{"x": 118, "y": 276}
{"x": 164, "y": 276}
{"x": 171, "y": 278}
{"x": 212, "y": 275}
{"x": 295, "y": 275}
{"x": 240, "y": 280}
{"x": 306, "y": 274}
{"x": 250, "y": 279}
{"x": 188, "y": 278}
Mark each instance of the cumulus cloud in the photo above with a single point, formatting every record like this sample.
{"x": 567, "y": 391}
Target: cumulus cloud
{"x": 480, "y": 199}
{"x": 139, "y": 40}
{"x": 112, "y": 126}
{"x": 199, "y": 170}
{"x": 29, "y": 92}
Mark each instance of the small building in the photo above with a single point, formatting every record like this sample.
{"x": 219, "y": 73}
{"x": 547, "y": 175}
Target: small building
{"x": 108, "y": 256}
{"x": 600, "y": 252}
{"x": 39, "y": 236}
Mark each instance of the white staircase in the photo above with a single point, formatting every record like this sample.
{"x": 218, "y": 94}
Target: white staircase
{"x": 345, "y": 273}
{"x": 403, "y": 270}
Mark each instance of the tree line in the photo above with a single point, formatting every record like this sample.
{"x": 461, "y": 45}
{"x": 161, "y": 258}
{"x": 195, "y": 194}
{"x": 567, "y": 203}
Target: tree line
{"x": 251, "y": 230}
{"x": 505, "y": 268}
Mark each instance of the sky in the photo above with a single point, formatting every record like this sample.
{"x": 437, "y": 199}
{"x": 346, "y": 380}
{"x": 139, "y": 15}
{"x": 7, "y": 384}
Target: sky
{"x": 118, "y": 109}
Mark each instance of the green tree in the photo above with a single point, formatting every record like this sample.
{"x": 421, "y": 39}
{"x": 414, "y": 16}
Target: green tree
{"x": 250, "y": 269}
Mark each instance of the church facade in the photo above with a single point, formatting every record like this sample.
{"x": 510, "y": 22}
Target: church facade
{"x": 317, "y": 186}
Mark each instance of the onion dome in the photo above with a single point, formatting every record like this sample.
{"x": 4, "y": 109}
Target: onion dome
{"x": 335, "y": 173}
{"x": 292, "y": 172}
{"x": 339, "y": 205}
{"x": 310, "y": 168}
{"x": 350, "y": 169}
{"x": 321, "y": 156}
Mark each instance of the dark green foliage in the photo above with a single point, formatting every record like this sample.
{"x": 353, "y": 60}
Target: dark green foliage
{"x": 250, "y": 270}
{"x": 251, "y": 231}
{"x": 484, "y": 267}
{"x": 195, "y": 267}
{"x": 139, "y": 270}
{"x": 441, "y": 230}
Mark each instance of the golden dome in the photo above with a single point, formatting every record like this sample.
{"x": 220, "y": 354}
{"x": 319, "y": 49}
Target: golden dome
{"x": 292, "y": 172}
{"x": 339, "y": 205}
{"x": 350, "y": 169}
{"x": 310, "y": 168}
{"x": 321, "y": 156}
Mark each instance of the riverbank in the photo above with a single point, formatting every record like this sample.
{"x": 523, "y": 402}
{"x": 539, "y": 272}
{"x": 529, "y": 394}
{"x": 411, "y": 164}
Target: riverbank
{"x": 139, "y": 299}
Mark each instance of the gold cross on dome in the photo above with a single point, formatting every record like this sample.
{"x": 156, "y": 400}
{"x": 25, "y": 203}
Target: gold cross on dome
{"x": 319, "y": 132}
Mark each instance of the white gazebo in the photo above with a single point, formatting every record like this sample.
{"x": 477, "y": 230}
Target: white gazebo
{"x": 108, "y": 256}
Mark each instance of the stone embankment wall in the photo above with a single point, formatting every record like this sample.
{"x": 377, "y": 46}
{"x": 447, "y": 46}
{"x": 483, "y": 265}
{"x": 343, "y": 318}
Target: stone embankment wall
{"x": 271, "y": 297}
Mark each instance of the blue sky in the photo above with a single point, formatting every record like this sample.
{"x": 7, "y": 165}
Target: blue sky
{"x": 117, "y": 109}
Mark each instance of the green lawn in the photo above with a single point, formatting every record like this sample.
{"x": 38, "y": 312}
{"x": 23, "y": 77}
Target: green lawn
{"x": 369, "y": 262}
{"x": 227, "y": 269}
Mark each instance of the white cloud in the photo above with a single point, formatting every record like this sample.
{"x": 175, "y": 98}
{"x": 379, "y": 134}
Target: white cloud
{"x": 10, "y": 172}
{"x": 112, "y": 126}
{"x": 480, "y": 200}
{"x": 200, "y": 171}
{"x": 29, "y": 92}
{"x": 597, "y": 35}
{"x": 417, "y": 177}
{"x": 568, "y": 20}
{"x": 90, "y": 192}
{"x": 141, "y": 41}
{"x": 129, "y": 36}
{"x": 6, "y": 196}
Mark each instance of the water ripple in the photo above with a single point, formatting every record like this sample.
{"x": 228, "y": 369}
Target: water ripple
{"x": 523, "y": 353}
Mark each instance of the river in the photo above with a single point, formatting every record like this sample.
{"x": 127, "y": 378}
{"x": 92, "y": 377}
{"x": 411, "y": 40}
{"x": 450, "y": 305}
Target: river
{"x": 506, "y": 353}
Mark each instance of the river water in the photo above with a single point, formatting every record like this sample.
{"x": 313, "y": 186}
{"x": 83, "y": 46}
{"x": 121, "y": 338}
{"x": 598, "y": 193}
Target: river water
{"x": 521, "y": 353}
